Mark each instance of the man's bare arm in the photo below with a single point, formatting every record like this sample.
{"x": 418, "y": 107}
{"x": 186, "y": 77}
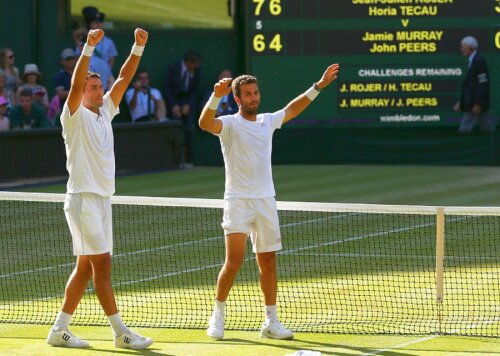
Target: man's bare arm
{"x": 128, "y": 69}
{"x": 80, "y": 73}
{"x": 300, "y": 103}
{"x": 207, "y": 121}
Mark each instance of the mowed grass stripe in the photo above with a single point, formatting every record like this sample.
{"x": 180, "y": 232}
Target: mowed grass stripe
{"x": 181, "y": 13}
{"x": 465, "y": 186}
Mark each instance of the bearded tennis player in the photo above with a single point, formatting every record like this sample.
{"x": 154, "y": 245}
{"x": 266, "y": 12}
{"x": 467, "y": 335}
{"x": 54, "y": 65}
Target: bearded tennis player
{"x": 88, "y": 136}
{"x": 249, "y": 197}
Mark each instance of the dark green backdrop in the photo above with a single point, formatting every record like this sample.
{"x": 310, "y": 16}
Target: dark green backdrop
{"x": 37, "y": 31}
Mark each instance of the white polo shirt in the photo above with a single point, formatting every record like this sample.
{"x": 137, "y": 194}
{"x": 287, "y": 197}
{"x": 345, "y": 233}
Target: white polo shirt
{"x": 247, "y": 147}
{"x": 89, "y": 142}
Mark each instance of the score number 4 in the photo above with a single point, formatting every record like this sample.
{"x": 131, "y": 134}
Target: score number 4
{"x": 274, "y": 7}
{"x": 259, "y": 43}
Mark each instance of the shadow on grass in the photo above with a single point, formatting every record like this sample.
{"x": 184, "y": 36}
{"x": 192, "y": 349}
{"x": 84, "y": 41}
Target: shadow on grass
{"x": 300, "y": 344}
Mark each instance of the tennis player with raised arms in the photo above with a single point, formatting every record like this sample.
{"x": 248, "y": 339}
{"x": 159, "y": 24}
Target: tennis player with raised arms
{"x": 88, "y": 136}
{"x": 249, "y": 197}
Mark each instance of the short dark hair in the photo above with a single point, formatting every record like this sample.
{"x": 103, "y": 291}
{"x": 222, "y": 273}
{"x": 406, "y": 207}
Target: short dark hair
{"x": 192, "y": 56}
{"x": 141, "y": 71}
{"x": 26, "y": 92}
{"x": 241, "y": 80}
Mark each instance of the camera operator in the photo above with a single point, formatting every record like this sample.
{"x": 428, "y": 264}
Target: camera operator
{"x": 140, "y": 95}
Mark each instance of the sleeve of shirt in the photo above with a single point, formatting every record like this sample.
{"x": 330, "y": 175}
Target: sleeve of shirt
{"x": 16, "y": 120}
{"x": 155, "y": 93}
{"x": 226, "y": 126}
{"x": 68, "y": 122}
{"x": 110, "y": 106}
{"x": 128, "y": 95}
{"x": 112, "y": 50}
{"x": 41, "y": 118}
{"x": 276, "y": 119}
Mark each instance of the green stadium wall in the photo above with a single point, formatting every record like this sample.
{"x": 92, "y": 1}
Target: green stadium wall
{"x": 38, "y": 33}
{"x": 409, "y": 146}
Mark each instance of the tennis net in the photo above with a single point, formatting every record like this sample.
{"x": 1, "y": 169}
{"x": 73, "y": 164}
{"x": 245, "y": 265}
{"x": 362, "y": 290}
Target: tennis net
{"x": 345, "y": 268}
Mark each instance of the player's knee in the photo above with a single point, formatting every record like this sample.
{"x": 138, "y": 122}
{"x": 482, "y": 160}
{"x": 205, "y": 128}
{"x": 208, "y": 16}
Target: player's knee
{"x": 267, "y": 262}
{"x": 83, "y": 266}
{"x": 233, "y": 264}
{"x": 102, "y": 265}
{"x": 84, "y": 269}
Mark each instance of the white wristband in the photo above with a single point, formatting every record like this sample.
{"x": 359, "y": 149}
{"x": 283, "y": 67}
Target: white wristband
{"x": 137, "y": 50}
{"x": 213, "y": 102}
{"x": 312, "y": 93}
{"x": 88, "y": 50}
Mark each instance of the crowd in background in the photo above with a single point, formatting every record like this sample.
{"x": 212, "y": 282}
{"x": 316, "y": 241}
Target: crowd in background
{"x": 26, "y": 104}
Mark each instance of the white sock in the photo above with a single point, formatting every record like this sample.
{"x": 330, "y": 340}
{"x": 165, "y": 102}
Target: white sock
{"x": 271, "y": 313}
{"x": 220, "y": 307}
{"x": 117, "y": 324}
{"x": 62, "y": 321}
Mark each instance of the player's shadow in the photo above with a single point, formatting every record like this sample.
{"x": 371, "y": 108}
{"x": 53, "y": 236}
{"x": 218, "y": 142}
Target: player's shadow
{"x": 150, "y": 351}
{"x": 315, "y": 346}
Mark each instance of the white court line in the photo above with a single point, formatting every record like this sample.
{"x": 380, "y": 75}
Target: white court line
{"x": 285, "y": 252}
{"x": 165, "y": 247}
{"x": 397, "y": 347}
{"x": 171, "y": 274}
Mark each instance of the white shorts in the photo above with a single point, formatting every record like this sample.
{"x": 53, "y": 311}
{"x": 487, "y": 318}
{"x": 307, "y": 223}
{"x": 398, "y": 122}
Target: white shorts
{"x": 255, "y": 217}
{"x": 89, "y": 220}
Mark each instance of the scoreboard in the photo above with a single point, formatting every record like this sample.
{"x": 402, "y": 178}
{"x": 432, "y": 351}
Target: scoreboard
{"x": 400, "y": 60}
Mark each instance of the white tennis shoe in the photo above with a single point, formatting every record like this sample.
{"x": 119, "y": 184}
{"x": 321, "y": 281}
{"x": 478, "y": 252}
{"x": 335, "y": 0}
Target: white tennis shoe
{"x": 275, "y": 330}
{"x": 131, "y": 340}
{"x": 216, "y": 326}
{"x": 65, "y": 338}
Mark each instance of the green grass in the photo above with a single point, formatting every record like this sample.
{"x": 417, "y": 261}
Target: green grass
{"x": 30, "y": 340}
{"x": 412, "y": 185}
{"x": 378, "y": 277}
{"x": 159, "y": 13}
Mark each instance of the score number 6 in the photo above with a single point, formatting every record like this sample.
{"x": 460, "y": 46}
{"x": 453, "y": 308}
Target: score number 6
{"x": 259, "y": 43}
{"x": 274, "y": 7}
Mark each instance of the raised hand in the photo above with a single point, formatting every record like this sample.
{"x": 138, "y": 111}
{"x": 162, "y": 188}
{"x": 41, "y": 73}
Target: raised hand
{"x": 223, "y": 87}
{"x": 94, "y": 37}
{"x": 141, "y": 36}
{"x": 331, "y": 73}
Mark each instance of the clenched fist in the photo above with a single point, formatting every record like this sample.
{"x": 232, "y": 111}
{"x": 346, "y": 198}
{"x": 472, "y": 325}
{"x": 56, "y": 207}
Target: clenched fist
{"x": 141, "y": 36}
{"x": 94, "y": 37}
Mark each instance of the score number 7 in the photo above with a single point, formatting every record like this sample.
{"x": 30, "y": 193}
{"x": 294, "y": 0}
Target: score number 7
{"x": 274, "y": 7}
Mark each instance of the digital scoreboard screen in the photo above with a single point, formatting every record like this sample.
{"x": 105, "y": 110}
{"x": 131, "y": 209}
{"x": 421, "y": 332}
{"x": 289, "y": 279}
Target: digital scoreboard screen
{"x": 400, "y": 59}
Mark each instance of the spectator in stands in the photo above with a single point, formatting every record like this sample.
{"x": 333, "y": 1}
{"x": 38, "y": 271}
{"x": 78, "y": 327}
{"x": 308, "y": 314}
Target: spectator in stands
{"x": 31, "y": 77}
{"x": 7, "y": 59}
{"x": 54, "y": 111}
{"x": 62, "y": 80}
{"x": 475, "y": 94}
{"x": 138, "y": 97}
{"x": 4, "y": 119}
{"x": 99, "y": 66}
{"x": 181, "y": 93}
{"x": 227, "y": 105}
{"x": 106, "y": 49}
{"x": 6, "y": 93}
{"x": 26, "y": 115}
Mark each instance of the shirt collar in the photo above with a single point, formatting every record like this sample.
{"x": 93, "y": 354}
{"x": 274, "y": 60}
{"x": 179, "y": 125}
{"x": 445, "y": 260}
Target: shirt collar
{"x": 471, "y": 57}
